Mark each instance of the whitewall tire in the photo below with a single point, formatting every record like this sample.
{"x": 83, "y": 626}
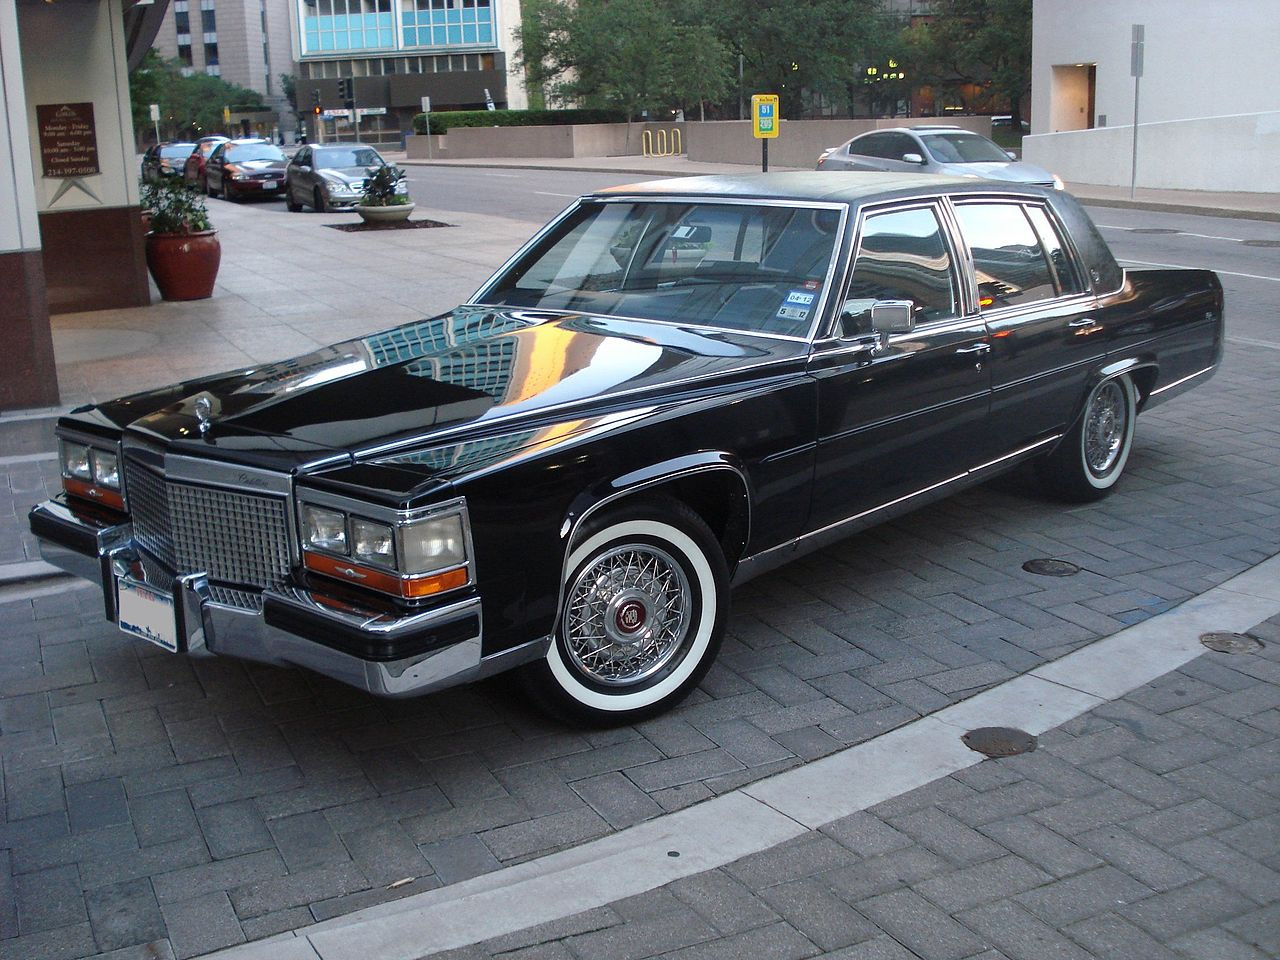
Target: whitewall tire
{"x": 644, "y": 605}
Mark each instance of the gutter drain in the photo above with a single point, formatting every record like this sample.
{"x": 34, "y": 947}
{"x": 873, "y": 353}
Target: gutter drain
{"x": 1231, "y": 642}
{"x": 999, "y": 741}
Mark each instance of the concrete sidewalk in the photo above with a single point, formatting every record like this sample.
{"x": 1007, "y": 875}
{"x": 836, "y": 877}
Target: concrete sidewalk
{"x": 1250, "y": 206}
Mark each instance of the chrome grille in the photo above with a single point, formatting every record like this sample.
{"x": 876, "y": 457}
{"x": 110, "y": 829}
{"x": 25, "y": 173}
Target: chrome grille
{"x": 232, "y": 536}
{"x": 149, "y": 509}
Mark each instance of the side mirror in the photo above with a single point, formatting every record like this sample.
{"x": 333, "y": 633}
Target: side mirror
{"x": 892, "y": 316}
{"x": 912, "y": 158}
{"x": 1012, "y": 154}
{"x": 304, "y": 168}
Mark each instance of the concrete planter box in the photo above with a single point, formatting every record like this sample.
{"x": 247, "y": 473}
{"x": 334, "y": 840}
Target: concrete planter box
{"x": 389, "y": 214}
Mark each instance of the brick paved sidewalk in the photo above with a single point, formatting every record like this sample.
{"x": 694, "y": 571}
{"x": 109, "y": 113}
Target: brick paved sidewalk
{"x": 1146, "y": 829}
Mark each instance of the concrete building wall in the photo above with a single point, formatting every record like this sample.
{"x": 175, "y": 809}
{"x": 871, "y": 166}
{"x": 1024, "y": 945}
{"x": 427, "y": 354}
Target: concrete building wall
{"x": 91, "y": 232}
{"x": 1210, "y": 72}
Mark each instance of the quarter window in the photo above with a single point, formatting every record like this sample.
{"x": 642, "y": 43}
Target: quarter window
{"x": 901, "y": 256}
{"x": 1008, "y": 258}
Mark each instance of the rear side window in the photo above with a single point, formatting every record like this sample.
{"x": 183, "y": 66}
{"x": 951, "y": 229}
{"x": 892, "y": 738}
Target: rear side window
{"x": 876, "y": 145}
{"x": 901, "y": 256}
{"x": 1008, "y": 257}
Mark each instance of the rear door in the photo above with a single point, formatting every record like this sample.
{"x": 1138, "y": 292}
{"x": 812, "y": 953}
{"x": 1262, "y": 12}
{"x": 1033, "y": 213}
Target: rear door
{"x": 1046, "y": 336}
{"x": 898, "y": 421}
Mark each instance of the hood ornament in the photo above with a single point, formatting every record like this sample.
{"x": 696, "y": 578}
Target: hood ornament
{"x": 204, "y": 413}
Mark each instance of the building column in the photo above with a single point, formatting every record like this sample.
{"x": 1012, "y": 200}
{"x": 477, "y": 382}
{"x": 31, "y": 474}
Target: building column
{"x": 75, "y": 67}
{"x": 30, "y": 378}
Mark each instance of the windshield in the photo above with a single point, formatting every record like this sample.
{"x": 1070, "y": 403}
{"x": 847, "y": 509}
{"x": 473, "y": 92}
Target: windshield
{"x": 177, "y": 150}
{"x": 252, "y": 151}
{"x": 963, "y": 148}
{"x": 347, "y": 157}
{"x": 739, "y": 266}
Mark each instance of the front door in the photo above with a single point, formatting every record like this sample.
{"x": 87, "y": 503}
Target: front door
{"x": 899, "y": 421}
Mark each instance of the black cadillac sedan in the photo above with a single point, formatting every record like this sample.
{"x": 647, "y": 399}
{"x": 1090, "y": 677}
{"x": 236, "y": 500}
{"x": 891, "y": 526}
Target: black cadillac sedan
{"x": 670, "y": 389}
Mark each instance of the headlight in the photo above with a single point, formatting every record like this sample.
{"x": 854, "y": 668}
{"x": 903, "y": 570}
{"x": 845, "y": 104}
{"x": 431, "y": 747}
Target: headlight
{"x": 106, "y": 468}
{"x": 372, "y": 542}
{"x": 405, "y": 554}
{"x": 433, "y": 545}
{"x": 91, "y": 472}
{"x": 324, "y": 529}
{"x": 75, "y": 461}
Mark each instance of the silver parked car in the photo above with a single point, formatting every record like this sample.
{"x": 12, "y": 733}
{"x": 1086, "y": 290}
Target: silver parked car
{"x": 331, "y": 175}
{"x": 948, "y": 150}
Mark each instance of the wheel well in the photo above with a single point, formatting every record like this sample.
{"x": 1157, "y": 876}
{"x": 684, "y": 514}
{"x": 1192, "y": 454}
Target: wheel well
{"x": 1144, "y": 381}
{"x": 718, "y": 497}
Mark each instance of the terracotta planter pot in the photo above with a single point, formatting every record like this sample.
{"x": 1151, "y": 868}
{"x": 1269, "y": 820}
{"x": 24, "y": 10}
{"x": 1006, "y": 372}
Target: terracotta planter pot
{"x": 184, "y": 265}
{"x": 390, "y": 214}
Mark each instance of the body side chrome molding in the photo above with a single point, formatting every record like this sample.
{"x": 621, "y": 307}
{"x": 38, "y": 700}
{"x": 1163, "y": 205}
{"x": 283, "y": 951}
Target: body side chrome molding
{"x": 1178, "y": 383}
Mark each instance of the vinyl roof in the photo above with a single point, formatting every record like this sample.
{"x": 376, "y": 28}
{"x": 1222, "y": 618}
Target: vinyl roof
{"x": 829, "y": 186}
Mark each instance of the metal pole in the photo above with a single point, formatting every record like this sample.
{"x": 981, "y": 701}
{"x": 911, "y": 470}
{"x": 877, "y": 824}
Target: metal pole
{"x": 764, "y": 155}
{"x": 1133, "y": 168}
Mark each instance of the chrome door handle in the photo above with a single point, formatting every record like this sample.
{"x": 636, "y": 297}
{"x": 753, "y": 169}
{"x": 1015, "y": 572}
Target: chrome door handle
{"x": 1083, "y": 322}
{"x": 976, "y": 348}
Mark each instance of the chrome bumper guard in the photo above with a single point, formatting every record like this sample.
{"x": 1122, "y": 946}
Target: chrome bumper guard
{"x": 102, "y": 554}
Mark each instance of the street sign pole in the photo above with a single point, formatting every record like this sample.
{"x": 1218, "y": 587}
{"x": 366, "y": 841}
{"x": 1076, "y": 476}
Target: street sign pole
{"x": 1135, "y": 70}
{"x": 764, "y": 124}
{"x": 426, "y": 109}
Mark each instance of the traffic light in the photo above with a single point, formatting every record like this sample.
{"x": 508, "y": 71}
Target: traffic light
{"x": 315, "y": 102}
{"x": 346, "y": 91}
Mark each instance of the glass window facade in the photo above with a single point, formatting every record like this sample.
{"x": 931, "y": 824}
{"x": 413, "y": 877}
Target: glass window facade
{"x": 335, "y": 25}
{"x": 439, "y": 23}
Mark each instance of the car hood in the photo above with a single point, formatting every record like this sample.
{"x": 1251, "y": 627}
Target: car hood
{"x": 349, "y": 175}
{"x": 474, "y": 372}
{"x": 1015, "y": 171}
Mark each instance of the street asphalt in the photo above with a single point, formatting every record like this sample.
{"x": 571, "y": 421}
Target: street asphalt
{"x": 812, "y": 798}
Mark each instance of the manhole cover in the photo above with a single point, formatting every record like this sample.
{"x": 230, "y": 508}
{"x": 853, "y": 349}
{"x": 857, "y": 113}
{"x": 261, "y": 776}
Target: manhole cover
{"x": 999, "y": 741}
{"x": 1231, "y": 642}
{"x": 1051, "y": 568}
{"x": 1154, "y": 230}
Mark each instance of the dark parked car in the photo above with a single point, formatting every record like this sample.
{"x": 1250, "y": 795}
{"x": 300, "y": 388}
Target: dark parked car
{"x": 329, "y": 176}
{"x": 946, "y": 150}
{"x": 245, "y": 168}
{"x": 164, "y": 160}
{"x": 194, "y": 168}
{"x": 672, "y": 388}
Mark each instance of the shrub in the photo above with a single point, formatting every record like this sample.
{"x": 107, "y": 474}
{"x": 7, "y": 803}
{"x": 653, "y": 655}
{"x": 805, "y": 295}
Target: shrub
{"x": 176, "y": 207}
{"x": 442, "y": 122}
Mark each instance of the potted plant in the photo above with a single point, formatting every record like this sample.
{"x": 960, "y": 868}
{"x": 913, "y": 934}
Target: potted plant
{"x": 182, "y": 248}
{"x": 386, "y": 197}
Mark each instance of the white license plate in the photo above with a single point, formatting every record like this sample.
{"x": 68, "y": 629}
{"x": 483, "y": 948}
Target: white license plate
{"x": 147, "y": 613}
{"x": 270, "y": 185}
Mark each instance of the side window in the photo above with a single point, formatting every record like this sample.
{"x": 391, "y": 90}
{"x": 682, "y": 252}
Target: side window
{"x": 901, "y": 256}
{"x": 1063, "y": 269}
{"x": 899, "y": 144}
{"x": 1008, "y": 258}
{"x": 872, "y": 146}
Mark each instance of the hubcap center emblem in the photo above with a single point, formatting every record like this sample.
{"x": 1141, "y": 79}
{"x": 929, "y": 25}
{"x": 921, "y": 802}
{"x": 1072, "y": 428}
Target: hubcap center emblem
{"x": 630, "y": 617}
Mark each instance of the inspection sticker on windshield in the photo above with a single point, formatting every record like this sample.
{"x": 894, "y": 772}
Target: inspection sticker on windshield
{"x": 801, "y": 297}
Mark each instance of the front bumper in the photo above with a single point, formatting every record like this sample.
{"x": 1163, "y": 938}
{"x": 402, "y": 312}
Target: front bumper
{"x": 284, "y": 625}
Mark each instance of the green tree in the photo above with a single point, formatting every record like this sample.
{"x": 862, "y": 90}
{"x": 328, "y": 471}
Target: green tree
{"x": 982, "y": 42}
{"x": 189, "y": 105}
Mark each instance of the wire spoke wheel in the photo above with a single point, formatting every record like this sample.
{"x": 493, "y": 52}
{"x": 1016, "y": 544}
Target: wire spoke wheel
{"x": 1105, "y": 428}
{"x": 627, "y": 614}
{"x": 642, "y": 615}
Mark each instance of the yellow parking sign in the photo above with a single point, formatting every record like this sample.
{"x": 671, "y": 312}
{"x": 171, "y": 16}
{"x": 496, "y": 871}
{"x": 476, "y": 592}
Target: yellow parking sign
{"x": 764, "y": 116}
